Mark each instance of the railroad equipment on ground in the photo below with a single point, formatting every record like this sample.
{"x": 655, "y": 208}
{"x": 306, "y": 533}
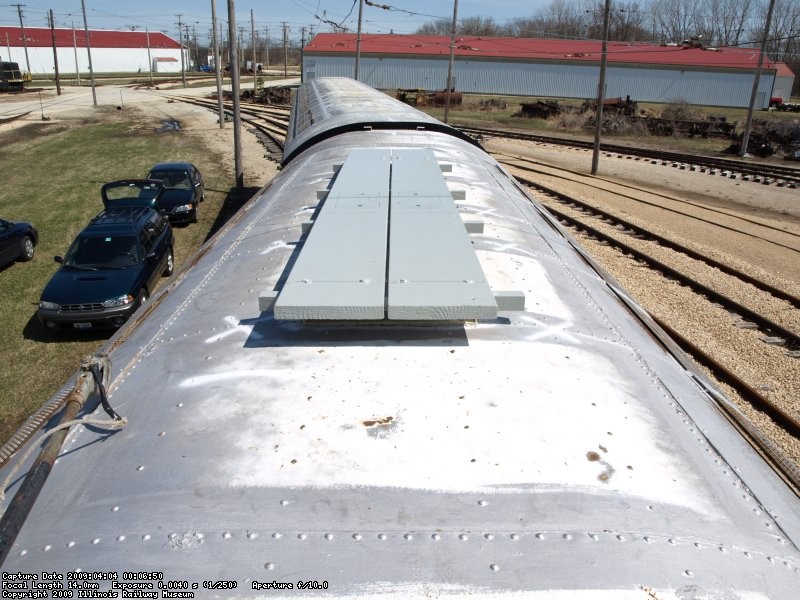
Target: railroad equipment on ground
{"x": 394, "y": 374}
{"x": 11, "y": 78}
{"x": 420, "y": 97}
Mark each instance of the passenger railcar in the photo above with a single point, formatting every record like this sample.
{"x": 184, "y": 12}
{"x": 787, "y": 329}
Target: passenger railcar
{"x": 392, "y": 374}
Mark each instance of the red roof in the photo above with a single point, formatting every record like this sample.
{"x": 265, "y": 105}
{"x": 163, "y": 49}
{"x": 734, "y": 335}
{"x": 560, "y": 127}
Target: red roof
{"x": 41, "y": 37}
{"x": 545, "y": 50}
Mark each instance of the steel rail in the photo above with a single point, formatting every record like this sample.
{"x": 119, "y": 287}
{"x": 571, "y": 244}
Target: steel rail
{"x": 666, "y": 242}
{"x": 649, "y": 192}
{"x": 763, "y": 322}
{"x": 788, "y": 174}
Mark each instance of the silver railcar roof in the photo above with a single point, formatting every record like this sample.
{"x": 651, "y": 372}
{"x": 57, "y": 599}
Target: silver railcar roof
{"x": 560, "y": 448}
{"x": 333, "y": 105}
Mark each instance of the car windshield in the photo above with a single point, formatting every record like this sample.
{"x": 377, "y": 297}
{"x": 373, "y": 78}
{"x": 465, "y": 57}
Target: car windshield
{"x": 91, "y": 252}
{"x": 129, "y": 190}
{"x": 172, "y": 180}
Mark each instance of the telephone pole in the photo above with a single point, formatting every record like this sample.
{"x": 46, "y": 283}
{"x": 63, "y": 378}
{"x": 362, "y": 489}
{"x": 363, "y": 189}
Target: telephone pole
{"x": 754, "y": 93}
{"x": 237, "y": 117}
{"x": 89, "y": 52}
{"x": 266, "y": 43}
{"x": 302, "y": 46}
{"x": 450, "y": 62}
{"x": 149, "y": 58}
{"x": 55, "y": 50}
{"x": 24, "y": 37}
{"x": 217, "y": 66}
{"x": 285, "y": 55}
{"x": 75, "y": 50}
{"x": 180, "y": 41}
{"x": 601, "y": 89}
{"x": 358, "y": 40}
{"x": 253, "y": 38}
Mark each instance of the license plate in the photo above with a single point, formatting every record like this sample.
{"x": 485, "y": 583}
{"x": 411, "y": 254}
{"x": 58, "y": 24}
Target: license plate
{"x": 82, "y": 325}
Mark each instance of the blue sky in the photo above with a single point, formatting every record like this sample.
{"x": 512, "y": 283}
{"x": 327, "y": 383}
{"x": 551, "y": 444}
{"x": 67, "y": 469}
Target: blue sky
{"x": 161, "y": 15}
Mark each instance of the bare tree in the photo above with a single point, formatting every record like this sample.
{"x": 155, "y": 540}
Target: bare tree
{"x": 676, "y": 20}
{"x": 438, "y": 27}
{"x": 783, "y": 43}
{"x": 478, "y": 26}
{"x": 724, "y": 21}
{"x": 627, "y": 21}
{"x": 565, "y": 19}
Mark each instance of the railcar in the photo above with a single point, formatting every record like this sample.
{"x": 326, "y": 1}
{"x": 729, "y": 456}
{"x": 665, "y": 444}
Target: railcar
{"x": 393, "y": 375}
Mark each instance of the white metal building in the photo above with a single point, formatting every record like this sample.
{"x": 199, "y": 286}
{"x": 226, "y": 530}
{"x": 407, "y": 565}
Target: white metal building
{"x": 112, "y": 51}
{"x": 551, "y": 68}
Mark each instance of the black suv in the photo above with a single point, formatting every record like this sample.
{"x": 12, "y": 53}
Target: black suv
{"x": 109, "y": 270}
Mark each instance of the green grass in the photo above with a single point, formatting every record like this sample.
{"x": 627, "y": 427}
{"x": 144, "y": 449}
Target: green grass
{"x": 52, "y": 173}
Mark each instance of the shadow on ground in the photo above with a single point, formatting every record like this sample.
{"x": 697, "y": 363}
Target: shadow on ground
{"x": 34, "y": 330}
{"x": 234, "y": 200}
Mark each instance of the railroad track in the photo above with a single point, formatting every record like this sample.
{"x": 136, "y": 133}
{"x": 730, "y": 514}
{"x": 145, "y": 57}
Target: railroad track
{"x": 758, "y": 173}
{"x": 270, "y": 123}
{"x": 12, "y": 118}
{"x": 633, "y": 229}
{"x": 744, "y": 225}
{"x": 768, "y": 326}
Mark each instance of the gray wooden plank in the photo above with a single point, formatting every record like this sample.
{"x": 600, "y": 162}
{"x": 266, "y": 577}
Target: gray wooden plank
{"x": 340, "y": 272}
{"x": 434, "y": 273}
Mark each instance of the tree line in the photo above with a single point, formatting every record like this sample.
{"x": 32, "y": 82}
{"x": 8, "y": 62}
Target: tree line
{"x": 712, "y": 23}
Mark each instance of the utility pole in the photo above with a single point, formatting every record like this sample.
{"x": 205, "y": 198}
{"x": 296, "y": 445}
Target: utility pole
{"x": 754, "y": 93}
{"x": 149, "y": 58}
{"x": 217, "y": 67}
{"x": 253, "y": 38}
{"x": 285, "y": 55}
{"x": 266, "y": 43}
{"x": 188, "y": 47}
{"x": 194, "y": 43}
{"x": 302, "y": 46}
{"x": 451, "y": 62}
{"x": 237, "y": 117}
{"x": 180, "y": 36}
{"x": 75, "y": 50}
{"x": 24, "y": 37}
{"x": 358, "y": 38}
{"x": 222, "y": 45}
{"x": 89, "y": 52}
{"x": 55, "y": 51}
{"x": 601, "y": 89}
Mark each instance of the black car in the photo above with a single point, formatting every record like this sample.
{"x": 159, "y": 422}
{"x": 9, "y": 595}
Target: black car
{"x": 109, "y": 270}
{"x": 183, "y": 190}
{"x": 17, "y": 240}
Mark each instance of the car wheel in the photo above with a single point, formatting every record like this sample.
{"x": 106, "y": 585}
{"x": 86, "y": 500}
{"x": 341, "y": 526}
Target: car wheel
{"x": 142, "y": 297}
{"x": 26, "y": 248}
{"x": 196, "y": 210}
{"x": 170, "y": 267}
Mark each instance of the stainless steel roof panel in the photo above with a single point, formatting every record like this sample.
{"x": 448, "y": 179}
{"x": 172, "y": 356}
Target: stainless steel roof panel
{"x": 329, "y": 106}
{"x": 559, "y": 448}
